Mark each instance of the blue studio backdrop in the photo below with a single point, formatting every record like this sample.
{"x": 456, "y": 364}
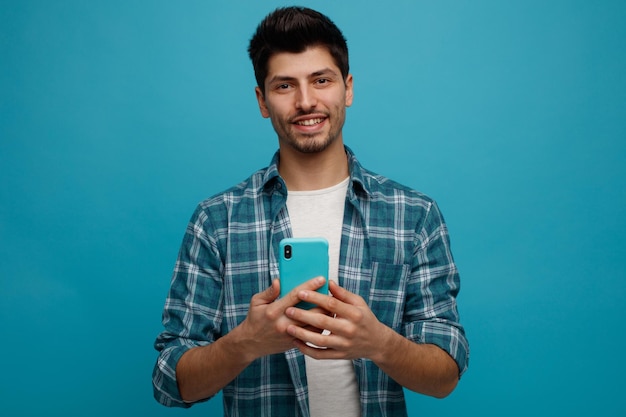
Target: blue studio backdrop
{"x": 117, "y": 117}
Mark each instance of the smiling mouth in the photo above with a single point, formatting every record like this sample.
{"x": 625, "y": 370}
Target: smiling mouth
{"x": 310, "y": 122}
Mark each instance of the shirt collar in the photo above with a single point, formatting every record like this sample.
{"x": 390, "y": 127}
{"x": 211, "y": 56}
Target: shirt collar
{"x": 272, "y": 178}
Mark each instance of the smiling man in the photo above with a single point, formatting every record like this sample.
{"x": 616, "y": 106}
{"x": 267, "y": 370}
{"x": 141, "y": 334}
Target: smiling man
{"x": 391, "y": 318}
{"x": 307, "y": 104}
{"x": 305, "y": 95}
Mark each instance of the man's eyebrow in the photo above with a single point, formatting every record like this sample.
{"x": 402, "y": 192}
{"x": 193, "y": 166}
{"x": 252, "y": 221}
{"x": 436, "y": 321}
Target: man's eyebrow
{"x": 277, "y": 78}
{"x": 324, "y": 71}
{"x": 280, "y": 78}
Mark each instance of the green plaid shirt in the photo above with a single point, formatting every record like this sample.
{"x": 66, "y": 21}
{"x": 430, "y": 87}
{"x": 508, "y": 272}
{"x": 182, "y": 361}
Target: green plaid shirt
{"x": 395, "y": 253}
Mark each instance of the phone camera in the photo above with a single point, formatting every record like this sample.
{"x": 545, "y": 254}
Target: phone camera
{"x": 287, "y": 251}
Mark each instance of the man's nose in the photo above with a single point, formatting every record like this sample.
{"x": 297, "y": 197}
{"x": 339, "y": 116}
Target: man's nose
{"x": 306, "y": 99}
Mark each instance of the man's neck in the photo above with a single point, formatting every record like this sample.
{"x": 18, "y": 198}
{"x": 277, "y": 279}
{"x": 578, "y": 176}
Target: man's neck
{"x": 313, "y": 171}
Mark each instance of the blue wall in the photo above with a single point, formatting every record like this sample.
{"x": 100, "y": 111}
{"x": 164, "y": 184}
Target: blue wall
{"x": 117, "y": 117}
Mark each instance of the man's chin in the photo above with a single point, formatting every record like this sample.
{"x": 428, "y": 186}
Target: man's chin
{"x": 311, "y": 145}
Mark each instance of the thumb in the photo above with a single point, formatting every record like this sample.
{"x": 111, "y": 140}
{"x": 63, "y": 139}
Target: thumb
{"x": 345, "y": 295}
{"x": 267, "y": 296}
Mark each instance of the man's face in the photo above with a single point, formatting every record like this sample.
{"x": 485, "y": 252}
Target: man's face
{"x": 306, "y": 99}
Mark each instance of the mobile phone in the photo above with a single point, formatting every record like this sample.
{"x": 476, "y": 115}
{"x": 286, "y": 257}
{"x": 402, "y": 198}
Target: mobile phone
{"x": 300, "y": 260}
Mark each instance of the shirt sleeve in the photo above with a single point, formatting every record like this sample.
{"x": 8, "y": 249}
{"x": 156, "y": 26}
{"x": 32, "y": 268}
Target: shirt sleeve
{"x": 434, "y": 283}
{"x": 192, "y": 313}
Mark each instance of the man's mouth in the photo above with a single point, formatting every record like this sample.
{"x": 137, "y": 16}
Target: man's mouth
{"x": 310, "y": 122}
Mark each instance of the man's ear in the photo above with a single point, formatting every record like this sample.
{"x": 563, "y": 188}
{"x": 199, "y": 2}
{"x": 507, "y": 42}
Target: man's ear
{"x": 349, "y": 90}
{"x": 261, "y": 100}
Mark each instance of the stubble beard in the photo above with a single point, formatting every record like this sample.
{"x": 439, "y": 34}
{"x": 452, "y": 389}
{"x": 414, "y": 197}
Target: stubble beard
{"x": 313, "y": 143}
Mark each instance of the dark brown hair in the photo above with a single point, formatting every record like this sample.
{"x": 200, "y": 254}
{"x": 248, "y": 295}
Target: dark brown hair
{"x": 294, "y": 29}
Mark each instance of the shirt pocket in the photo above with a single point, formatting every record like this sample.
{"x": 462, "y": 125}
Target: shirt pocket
{"x": 387, "y": 294}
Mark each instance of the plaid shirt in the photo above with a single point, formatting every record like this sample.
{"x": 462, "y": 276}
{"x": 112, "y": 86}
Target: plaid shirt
{"x": 395, "y": 253}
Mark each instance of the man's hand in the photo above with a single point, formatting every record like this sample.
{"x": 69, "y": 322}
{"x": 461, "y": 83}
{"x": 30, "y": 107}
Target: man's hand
{"x": 355, "y": 332}
{"x": 265, "y": 327}
{"x": 204, "y": 370}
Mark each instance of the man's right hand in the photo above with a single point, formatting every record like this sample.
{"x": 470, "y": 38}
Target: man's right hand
{"x": 264, "y": 330}
{"x": 204, "y": 370}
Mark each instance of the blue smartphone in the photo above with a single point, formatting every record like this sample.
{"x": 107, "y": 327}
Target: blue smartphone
{"x": 300, "y": 260}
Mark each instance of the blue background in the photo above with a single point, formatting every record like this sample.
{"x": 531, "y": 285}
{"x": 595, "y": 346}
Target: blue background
{"x": 117, "y": 117}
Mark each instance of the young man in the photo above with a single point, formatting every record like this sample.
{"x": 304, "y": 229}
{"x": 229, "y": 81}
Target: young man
{"x": 391, "y": 319}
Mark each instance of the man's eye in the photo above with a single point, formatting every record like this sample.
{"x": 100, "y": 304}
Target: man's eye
{"x": 282, "y": 86}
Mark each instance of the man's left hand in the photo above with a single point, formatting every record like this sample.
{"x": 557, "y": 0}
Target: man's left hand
{"x": 355, "y": 332}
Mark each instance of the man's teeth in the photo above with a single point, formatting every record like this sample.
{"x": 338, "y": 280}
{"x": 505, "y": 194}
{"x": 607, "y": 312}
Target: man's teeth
{"x": 310, "y": 122}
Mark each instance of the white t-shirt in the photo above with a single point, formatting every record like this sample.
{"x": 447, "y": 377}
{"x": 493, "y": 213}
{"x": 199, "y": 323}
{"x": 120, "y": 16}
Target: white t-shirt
{"x": 333, "y": 389}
